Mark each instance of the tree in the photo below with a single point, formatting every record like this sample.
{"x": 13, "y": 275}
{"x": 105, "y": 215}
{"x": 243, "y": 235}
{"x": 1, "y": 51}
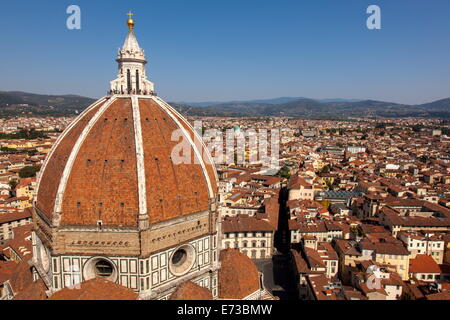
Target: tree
{"x": 32, "y": 152}
{"x": 357, "y": 230}
{"x": 29, "y": 172}
{"x": 6, "y": 149}
{"x": 24, "y": 134}
{"x": 417, "y": 128}
{"x": 284, "y": 172}
{"x": 13, "y": 183}
{"x": 326, "y": 169}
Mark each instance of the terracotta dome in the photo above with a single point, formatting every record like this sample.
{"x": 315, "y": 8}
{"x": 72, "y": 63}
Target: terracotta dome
{"x": 96, "y": 289}
{"x": 238, "y": 275}
{"x": 191, "y": 291}
{"x": 114, "y": 164}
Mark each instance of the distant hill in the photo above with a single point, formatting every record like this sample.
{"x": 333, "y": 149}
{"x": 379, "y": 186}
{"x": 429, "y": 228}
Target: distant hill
{"x": 312, "y": 109}
{"x": 269, "y": 101}
{"x": 15, "y": 103}
{"x": 439, "y": 105}
{"x": 29, "y": 104}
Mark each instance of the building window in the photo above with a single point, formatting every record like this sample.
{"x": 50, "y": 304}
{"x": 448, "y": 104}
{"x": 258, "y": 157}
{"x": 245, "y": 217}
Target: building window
{"x": 128, "y": 81}
{"x": 179, "y": 257}
{"x": 182, "y": 260}
{"x": 104, "y": 269}
{"x": 137, "y": 84}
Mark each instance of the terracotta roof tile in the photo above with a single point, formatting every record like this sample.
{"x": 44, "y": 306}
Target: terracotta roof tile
{"x": 103, "y": 180}
{"x": 238, "y": 276}
{"x": 243, "y": 223}
{"x": 423, "y": 263}
{"x": 191, "y": 291}
{"x": 96, "y": 289}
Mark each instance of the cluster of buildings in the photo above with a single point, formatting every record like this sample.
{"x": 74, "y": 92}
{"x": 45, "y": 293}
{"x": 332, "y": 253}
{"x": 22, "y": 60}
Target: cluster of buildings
{"x": 366, "y": 209}
{"x": 44, "y": 124}
{"x": 362, "y": 195}
{"x": 357, "y": 210}
{"x": 20, "y": 159}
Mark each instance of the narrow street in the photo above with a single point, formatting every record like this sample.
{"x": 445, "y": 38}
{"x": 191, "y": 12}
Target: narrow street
{"x": 278, "y": 277}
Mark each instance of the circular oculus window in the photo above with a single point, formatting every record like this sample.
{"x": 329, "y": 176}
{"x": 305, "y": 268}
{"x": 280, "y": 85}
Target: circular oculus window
{"x": 182, "y": 260}
{"x": 103, "y": 269}
{"x": 99, "y": 267}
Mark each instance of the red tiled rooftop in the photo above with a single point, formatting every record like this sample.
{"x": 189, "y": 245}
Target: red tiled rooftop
{"x": 423, "y": 263}
{"x": 191, "y": 291}
{"x": 96, "y": 289}
{"x": 238, "y": 275}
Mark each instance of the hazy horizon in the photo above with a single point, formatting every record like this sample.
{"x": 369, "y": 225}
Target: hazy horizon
{"x": 207, "y": 51}
{"x": 232, "y": 100}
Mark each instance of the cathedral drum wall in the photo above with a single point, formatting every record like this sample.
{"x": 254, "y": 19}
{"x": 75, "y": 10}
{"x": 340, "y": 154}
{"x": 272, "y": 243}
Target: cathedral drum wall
{"x": 172, "y": 233}
{"x": 161, "y": 274}
{"x": 155, "y": 277}
{"x": 69, "y": 270}
{"x": 100, "y": 242}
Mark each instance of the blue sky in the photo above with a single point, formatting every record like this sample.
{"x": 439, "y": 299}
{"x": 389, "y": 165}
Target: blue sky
{"x": 219, "y": 50}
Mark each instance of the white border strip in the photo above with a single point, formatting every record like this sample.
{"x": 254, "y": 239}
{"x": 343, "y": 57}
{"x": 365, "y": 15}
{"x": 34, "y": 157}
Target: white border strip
{"x": 72, "y": 157}
{"x": 188, "y": 137}
{"x": 139, "y": 156}
{"x": 198, "y": 137}
{"x": 62, "y": 136}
